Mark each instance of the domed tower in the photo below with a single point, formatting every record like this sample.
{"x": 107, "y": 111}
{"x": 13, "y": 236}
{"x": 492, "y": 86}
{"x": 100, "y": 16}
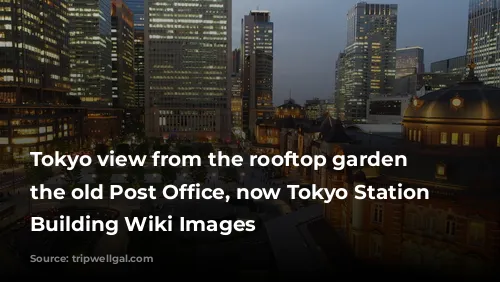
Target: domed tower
{"x": 289, "y": 109}
{"x": 465, "y": 115}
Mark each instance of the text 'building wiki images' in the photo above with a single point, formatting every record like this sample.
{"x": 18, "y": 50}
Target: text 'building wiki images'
{"x": 262, "y": 140}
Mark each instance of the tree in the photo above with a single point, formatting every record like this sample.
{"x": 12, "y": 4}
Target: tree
{"x": 168, "y": 174}
{"x": 62, "y": 146}
{"x": 72, "y": 177}
{"x": 103, "y": 176}
{"x": 36, "y": 175}
{"x": 226, "y": 150}
{"x": 123, "y": 149}
{"x": 101, "y": 150}
{"x": 142, "y": 149}
{"x": 198, "y": 174}
{"x": 186, "y": 149}
{"x": 228, "y": 174}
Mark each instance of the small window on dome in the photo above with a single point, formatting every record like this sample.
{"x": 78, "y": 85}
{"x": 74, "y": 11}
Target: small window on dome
{"x": 466, "y": 139}
{"x": 454, "y": 138}
{"x": 440, "y": 170}
{"x": 444, "y": 138}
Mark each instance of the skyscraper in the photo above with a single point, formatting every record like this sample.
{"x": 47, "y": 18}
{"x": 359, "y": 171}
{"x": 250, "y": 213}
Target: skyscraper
{"x": 370, "y": 56}
{"x": 90, "y": 49}
{"x": 188, "y": 67}
{"x": 409, "y": 60}
{"x": 236, "y": 60}
{"x": 34, "y": 57}
{"x": 257, "y": 70}
{"x": 122, "y": 38}
{"x": 455, "y": 65}
{"x": 339, "y": 93}
{"x": 137, "y": 8}
{"x": 139, "y": 68}
{"x": 34, "y": 80}
{"x": 484, "y": 18}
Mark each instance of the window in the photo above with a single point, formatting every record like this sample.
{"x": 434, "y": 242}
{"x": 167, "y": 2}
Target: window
{"x": 419, "y": 136}
{"x": 441, "y": 170}
{"x": 454, "y": 139}
{"x": 450, "y": 226}
{"x": 378, "y": 213}
{"x": 498, "y": 141}
{"x": 466, "y": 139}
{"x": 376, "y": 246}
{"x": 444, "y": 138}
{"x": 476, "y": 233}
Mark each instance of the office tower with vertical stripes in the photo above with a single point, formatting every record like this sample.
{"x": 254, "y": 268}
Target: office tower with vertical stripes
{"x": 188, "y": 66}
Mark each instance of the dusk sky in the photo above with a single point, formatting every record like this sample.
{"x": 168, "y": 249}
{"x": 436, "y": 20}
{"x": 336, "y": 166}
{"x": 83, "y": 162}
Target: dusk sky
{"x": 309, "y": 34}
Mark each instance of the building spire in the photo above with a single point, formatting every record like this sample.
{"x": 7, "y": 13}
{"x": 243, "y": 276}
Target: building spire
{"x": 472, "y": 65}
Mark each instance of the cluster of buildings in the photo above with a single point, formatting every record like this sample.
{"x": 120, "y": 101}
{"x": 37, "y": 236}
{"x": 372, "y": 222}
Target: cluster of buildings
{"x": 374, "y": 81}
{"x": 451, "y": 138}
{"x": 445, "y": 122}
{"x": 100, "y": 69}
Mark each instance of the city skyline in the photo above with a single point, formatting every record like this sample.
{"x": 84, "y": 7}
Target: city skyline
{"x": 325, "y": 34}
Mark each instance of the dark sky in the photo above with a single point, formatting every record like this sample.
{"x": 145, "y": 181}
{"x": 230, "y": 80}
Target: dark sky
{"x": 309, "y": 34}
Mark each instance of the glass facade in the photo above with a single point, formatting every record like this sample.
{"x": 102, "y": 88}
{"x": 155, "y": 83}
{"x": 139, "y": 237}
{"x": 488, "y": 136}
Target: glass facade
{"x": 409, "y": 60}
{"x": 137, "y": 7}
{"x": 370, "y": 56}
{"x": 236, "y": 103}
{"x": 257, "y": 43}
{"x": 90, "y": 45}
{"x": 456, "y": 65}
{"x": 188, "y": 62}
{"x": 484, "y": 18}
{"x": 34, "y": 52}
{"x": 122, "y": 56}
{"x": 139, "y": 68}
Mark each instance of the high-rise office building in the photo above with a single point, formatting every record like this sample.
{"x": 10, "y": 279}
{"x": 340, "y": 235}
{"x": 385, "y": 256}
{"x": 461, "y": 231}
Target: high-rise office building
{"x": 257, "y": 71}
{"x": 483, "y": 33}
{"x": 34, "y": 80}
{"x": 236, "y": 60}
{"x": 236, "y": 102}
{"x": 137, "y": 7}
{"x": 456, "y": 65}
{"x": 122, "y": 56}
{"x": 90, "y": 49}
{"x": 409, "y": 60}
{"x": 34, "y": 55}
{"x": 139, "y": 68}
{"x": 339, "y": 93}
{"x": 188, "y": 66}
{"x": 370, "y": 56}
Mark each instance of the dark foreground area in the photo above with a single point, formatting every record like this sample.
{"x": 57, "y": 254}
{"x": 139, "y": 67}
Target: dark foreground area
{"x": 247, "y": 256}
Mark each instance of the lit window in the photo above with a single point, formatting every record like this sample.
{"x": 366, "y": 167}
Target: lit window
{"x": 466, "y": 139}
{"x": 419, "y": 135}
{"x": 498, "y": 141}
{"x": 444, "y": 138}
{"x": 454, "y": 139}
{"x": 441, "y": 170}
